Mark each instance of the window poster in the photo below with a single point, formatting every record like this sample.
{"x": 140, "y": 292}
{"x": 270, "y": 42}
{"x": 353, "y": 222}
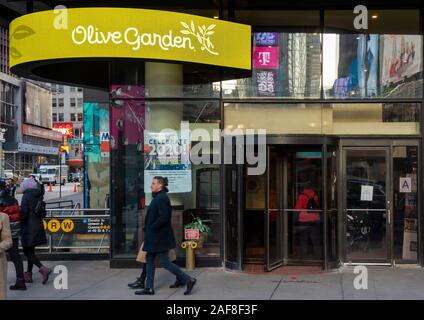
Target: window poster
{"x": 167, "y": 154}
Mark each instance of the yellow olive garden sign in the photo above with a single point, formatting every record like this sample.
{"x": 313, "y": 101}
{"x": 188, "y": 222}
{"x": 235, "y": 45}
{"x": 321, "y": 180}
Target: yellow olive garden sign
{"x": 128, "y": 33}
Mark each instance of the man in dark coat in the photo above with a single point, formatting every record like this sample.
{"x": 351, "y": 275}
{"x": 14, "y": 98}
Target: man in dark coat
{"x": 159, "y": 237}
{"x": 32, "y": 228}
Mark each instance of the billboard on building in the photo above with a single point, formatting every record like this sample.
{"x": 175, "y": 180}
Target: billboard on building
{"x": 64, "y": 127}
{"x": 38, "y": 106}
{"x": 41, "y": 133}
{"x": 402, "y": 57}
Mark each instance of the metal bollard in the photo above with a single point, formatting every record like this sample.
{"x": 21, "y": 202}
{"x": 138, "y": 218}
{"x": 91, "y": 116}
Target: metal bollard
{"x": 189, "y": 246}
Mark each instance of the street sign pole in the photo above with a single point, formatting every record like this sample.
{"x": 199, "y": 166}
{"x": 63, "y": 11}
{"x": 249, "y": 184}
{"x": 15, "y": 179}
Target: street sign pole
{"x": 60, "y": 177}
{"x": 60, "y": 174}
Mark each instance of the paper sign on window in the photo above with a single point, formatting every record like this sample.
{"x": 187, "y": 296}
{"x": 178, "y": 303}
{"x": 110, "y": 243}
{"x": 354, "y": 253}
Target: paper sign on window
{"x": 367, "y": 193}
{"x": 405, "y": 184}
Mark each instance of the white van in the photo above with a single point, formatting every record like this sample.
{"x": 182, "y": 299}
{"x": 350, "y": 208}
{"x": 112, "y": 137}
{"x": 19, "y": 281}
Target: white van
{"x": 53, "y": 173}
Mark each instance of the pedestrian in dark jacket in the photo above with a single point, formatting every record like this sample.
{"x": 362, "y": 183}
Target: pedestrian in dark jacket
{"x": 9, "y": 205}
{"x": 159, "y": 237}
{"x": 10, "y": 186}
{"x": 32, "y": 228}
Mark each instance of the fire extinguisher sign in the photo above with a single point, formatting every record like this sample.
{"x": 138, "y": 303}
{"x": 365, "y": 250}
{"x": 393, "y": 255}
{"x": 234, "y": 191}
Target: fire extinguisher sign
{"x": 191, "y": 234}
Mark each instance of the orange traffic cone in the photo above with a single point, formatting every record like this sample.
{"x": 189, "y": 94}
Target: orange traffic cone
{"x": 75, "y": 187}
{"x": 50, "y": 187}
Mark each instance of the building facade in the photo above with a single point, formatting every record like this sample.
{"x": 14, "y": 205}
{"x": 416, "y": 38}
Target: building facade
{"x": 67, "y": 112}
{"x": 26, "y": 117}
{"x": 343, "y": 144}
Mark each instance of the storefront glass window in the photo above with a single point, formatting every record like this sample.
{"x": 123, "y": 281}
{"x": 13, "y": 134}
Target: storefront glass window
{"x": 367, "y": 66}
{"x": 194, "y": 189}
{"x": 96, "y": 122}
{"x": 206, "y": 90}
{"x": 275, "y": 118}
{"x": 127, "y": 115}
{"x": 375, "y": 118}
{"x": 283, "y": 65}
{"x": 336, "y": 118}
{"x": 405, "y": 215}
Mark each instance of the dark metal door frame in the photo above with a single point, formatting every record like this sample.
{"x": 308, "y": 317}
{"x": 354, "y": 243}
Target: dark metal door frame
{"x": 389, "y": 143}
{"x": 282, "y": 190}
{"x": 389, "y": 203}
{"x": 269, "y": 266}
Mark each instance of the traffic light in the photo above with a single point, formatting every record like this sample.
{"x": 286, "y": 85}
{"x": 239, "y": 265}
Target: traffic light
{"x": 64, "y": 149}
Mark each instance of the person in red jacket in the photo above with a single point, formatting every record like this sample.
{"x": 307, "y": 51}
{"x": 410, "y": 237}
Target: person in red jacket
{"x": 309, "y": 225}
{"x": 10, "y": 206}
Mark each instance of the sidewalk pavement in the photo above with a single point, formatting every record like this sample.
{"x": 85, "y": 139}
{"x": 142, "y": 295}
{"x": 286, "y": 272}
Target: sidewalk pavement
{"x": 94, "y": 280}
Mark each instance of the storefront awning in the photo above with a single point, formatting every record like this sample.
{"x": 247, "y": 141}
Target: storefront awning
{"x": 77, "y": 45}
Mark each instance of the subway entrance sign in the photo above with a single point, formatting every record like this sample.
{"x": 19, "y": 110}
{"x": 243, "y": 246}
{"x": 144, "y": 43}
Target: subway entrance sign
{"x": 77, "y": 225}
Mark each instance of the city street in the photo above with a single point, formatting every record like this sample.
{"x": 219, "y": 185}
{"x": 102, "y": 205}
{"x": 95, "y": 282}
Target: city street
{"x": 95, "y": 280}
{"x": 262, "y": 141}
{"x": 67, "y": 194}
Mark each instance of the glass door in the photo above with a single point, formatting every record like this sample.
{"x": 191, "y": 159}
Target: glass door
{"x": 367, "y": 204}
{"x": 304, "y": 204}
{"x": 273, "y": 210}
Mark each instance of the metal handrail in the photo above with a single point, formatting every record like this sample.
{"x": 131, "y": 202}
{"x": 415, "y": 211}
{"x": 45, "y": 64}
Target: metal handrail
{"x": 365, "y": 209}
{"x": 68, "y": 206}
{"x": 302, "y": 210}
{"x": 296, "y": 210}
{"x": 81, "y": 209}
{"x": 82, "y": 216}
{"x": 85, "y": 247}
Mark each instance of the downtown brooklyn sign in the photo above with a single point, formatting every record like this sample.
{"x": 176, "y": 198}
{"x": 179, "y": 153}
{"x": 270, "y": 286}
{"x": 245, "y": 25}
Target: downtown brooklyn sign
{"x": 91, "y": 33}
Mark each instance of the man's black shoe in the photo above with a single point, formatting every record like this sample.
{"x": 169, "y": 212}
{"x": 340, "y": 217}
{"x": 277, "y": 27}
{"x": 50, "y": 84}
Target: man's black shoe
{"x": 177, "y": 284}
{"x": 190, "y": 286}
{"x": 138, "y": 284}
{"x": 145, "y": 292}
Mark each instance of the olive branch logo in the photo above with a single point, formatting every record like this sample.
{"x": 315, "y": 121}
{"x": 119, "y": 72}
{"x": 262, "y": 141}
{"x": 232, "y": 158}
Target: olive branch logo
{"x": 202, "y": 34}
